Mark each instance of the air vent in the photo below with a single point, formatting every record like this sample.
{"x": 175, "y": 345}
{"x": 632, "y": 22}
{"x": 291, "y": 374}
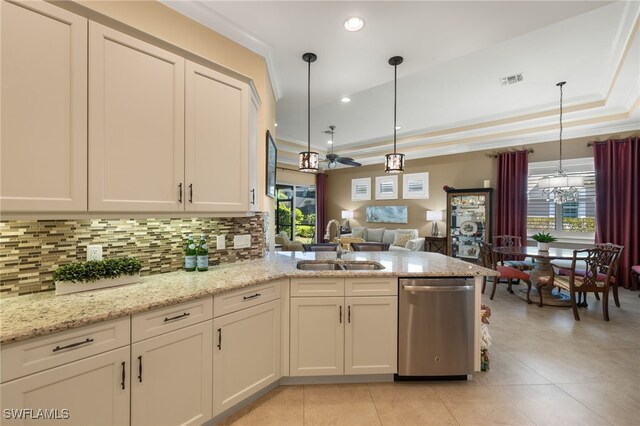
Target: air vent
{"x": 511, "y": 79}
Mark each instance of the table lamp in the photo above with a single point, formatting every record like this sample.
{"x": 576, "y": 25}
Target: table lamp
{"x": 347, "y": 214}
{"x": 435, "y": 216}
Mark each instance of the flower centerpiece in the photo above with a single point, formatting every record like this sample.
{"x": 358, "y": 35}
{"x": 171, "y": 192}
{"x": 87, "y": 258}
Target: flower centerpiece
{"x": 485, "y": 337}
{"x": 543, "y": 239}
{"x": 95, "y": 274}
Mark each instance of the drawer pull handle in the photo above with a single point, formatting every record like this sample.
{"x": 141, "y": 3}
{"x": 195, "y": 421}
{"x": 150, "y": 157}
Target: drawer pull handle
{"x": 219, "y": 339}
{"x": 186, "y": 314}
{"x": 72, "y": 345}
{"x": 340, "y": 314}
{"x": 180, "y": 192}
{"x": 349, "y": 314}
{"x": 123, "y": 375}
{"x": 140, "y": 368}
{"x": 253, "y": 296}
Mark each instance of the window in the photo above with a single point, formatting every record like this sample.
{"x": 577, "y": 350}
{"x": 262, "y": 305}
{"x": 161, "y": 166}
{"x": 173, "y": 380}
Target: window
{"x": 567, "y": 218}
{"x": 300, "y": 226}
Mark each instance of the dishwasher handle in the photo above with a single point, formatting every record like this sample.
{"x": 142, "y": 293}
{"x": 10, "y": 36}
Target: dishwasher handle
{"x": 437, "y": 287}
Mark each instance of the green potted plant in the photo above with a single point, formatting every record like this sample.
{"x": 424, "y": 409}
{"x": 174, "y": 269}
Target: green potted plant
{"x": 95, "y": 274}
{"x": 543, "y": 239}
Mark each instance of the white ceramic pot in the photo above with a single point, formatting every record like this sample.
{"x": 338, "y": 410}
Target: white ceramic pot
{"x": 543, "y": 246}
{"x": 68, "y": 287}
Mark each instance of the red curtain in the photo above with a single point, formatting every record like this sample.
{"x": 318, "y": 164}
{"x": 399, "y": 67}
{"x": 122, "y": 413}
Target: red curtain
{"x": 617, "y": 200}
{"x": 321, "y": 213}
{"x": 511, "y": 194}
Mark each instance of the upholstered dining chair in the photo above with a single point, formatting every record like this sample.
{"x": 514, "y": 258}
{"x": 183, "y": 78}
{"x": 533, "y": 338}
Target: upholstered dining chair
{"x": 346, "y": 241}
{"x": 320, "y": 247}
{"x": 600, "y": 265}
{"x": 369, "y": 246}
{"x": 635, "y": 277}
{"x": 333, "y": 230}
{"x": 489, "y": 260}
{"x": 513, "y": 261}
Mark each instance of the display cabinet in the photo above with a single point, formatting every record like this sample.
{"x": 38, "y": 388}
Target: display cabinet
{"x": 469, "y": 217}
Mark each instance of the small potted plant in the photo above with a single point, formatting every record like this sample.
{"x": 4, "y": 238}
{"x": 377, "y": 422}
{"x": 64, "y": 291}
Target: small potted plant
{"x": 543, "y": 239}
{"x": 95, "y": 274}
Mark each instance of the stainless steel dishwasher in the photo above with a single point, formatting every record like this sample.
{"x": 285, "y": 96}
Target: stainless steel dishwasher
{"x": 435, "y": 327}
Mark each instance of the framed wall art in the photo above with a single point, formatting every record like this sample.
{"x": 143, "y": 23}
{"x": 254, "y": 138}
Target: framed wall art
{"x": 387, "y": 214}
{"x": 387, "y": 187}
{"x": 361, "y": 189}
{"x": 272, "y": 159}
{"x": 415, "y": 186}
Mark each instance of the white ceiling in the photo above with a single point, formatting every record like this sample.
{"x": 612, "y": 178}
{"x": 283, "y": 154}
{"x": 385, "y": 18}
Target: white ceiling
{"x": 449, "y": 95}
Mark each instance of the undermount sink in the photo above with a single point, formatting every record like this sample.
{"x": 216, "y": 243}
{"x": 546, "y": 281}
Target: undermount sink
{"x": 318, "y": 266}
{"x": 311, "y": 265}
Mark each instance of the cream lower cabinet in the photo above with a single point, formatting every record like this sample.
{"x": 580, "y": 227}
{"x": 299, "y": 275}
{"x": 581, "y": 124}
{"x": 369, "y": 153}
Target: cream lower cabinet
{"x": 171, "y": 377}
{"x": 91, "y": 391}
{"x": 246, "y": 353}
{"x": 336, "y": 335}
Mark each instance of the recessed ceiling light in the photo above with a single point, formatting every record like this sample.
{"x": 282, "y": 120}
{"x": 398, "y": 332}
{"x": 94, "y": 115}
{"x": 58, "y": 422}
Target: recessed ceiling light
{"x": 276, "y": 124}
{"x": 398, "y": 127}
{"x": 354, "y": 24}
{"x": 345, "y": 100}
{"x": 329, "y": 142}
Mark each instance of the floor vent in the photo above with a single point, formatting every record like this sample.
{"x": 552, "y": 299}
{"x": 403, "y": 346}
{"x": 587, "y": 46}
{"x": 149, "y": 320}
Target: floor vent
{"x": 511, "y": 79}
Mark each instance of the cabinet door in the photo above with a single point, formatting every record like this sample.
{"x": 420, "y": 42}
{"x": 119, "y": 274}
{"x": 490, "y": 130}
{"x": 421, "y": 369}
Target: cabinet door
{"x": 94, "y": 391}
{"x": 172, "y": 377}
{"x": 317, "y": 336}
{"x": 371, "y": 335}
{"x": 246, "y": 355}
{"x": 216, "y": 162}
{"x": 255, "y": 195}
{"x": 44, "y": 108}
{"x": 136, "y": 124}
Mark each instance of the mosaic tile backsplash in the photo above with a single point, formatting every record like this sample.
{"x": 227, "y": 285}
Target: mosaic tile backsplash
{"x": 31, "y": 250}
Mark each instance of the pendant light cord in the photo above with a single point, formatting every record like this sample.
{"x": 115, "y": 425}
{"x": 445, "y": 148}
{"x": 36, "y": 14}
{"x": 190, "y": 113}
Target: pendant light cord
{"x": 395, "y": 102}
{"x": 561, "y": 84}
{"x": 309, "y": 107}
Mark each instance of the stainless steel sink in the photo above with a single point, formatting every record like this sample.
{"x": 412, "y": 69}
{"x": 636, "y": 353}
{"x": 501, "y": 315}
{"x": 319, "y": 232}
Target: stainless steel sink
{"x": 309, "y": 265}
{"x": 362, "y": 266}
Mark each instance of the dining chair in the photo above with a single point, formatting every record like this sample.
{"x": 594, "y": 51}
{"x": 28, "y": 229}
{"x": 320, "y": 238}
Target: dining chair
{"x": 346, "y": 241}
{"x": 513, "y": 261}
{"x": 320, "y": 247}
{"x": 489, "y": 260}
{"x": 370, "y": 246}
{"x": 582, "y": 297}
{"x": 600, "y": 265}
{"x": 635, "y": 277}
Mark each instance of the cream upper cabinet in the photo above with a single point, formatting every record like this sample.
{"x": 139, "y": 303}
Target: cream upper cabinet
{"x": 44, "y": 108}
{"x": 216, "y": 146}
{"x": 136, "y": 124}
{"x": 256, "y": 191}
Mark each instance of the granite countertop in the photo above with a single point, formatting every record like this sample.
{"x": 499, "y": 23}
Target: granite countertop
{"x": 39, "y": 314}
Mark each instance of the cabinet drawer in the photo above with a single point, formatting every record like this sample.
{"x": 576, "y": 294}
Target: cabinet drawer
{"x": 304, "y": 287}
{"x": 244, "y": 298}
{"x": 163, "y": 320}
{"x": 34, "y": 355}
{"x": 371, "y": 286}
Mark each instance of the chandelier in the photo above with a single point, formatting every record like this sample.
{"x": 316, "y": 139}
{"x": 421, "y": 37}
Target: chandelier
{"x": 559, "y": 186}
{"x": 308, "y": 161}
{"x": 394, "y": 163}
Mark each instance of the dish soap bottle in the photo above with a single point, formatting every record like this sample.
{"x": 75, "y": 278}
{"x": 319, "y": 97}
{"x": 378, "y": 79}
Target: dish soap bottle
{"x": 202, "y": 260}
{"x": 190, "y": 255}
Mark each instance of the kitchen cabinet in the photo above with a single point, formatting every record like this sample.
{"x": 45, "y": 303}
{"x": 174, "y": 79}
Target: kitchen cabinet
{"x": 332, "y": 334}
{"x": 136, "y": 124}
{"x": 246, "y": 353}
{"x": 255, "y": 191}
{"x": 93, "y": 391}
{"x": 469, "y": 218}
{"x": 43, "y": 165}
{"x": 171, "y": 381}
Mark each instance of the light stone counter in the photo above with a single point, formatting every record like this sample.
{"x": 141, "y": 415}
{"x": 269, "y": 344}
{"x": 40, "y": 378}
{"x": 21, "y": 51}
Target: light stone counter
{"x": 39, "y": 314}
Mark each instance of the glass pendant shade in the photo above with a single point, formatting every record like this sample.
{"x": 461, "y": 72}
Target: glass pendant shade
{"x": 394, "y": 163}
{"x": 308, "y": 162}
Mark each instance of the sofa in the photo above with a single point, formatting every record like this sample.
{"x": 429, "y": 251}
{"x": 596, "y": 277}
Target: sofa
{"x": 398, "y": 239}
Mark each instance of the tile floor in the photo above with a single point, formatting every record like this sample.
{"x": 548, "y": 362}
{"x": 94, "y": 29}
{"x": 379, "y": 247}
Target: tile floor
{"x": 546, "y": 369}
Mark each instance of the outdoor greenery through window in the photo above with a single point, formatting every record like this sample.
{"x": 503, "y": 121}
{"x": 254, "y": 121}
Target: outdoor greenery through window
{"x": 296, "y": 212}
{"x": 578, "y": 216}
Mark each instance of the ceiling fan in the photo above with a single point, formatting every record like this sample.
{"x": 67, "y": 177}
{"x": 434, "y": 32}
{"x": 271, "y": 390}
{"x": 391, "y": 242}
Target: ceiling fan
{"x": 334, "y": 159}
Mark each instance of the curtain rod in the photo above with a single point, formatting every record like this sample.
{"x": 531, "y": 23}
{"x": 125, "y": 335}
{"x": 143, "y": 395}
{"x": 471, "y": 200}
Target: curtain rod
{"x": 495, "y": 154}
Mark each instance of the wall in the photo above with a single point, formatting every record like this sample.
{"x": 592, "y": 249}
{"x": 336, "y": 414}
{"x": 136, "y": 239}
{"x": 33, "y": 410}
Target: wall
{"x": 460, "y": 171}
{"x": 286, "y": 176}
{"x": 31, "y": 250}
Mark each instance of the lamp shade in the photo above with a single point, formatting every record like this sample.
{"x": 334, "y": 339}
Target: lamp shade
{"x": 347, "y": 214}
{"x": 434, "y": 215}
{"x": 561, "y": 182}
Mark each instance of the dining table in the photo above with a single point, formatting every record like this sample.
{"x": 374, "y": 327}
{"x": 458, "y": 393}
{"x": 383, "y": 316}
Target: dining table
{"x": 542, "y": 267}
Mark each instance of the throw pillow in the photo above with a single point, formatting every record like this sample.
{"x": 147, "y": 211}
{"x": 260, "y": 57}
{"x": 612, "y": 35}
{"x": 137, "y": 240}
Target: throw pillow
{"x": 358, "y": 232}
{"x": 402, "y": 238}
{"x": 374, "y": 235}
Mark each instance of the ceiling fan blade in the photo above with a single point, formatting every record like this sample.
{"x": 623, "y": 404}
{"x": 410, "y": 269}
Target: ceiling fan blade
{"x": 345, "y": 159}
{"x": 348, "y": 162}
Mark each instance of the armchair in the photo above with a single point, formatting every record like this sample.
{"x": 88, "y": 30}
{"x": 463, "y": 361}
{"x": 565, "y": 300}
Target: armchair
{"x": 287, "y": 245}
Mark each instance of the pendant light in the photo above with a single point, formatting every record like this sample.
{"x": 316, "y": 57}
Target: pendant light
{"x": 560, "y": 187}
{"x": 394, "y": 163}
{"x": 308, "y": 159}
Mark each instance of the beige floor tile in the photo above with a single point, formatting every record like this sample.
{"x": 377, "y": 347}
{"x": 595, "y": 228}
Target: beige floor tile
{"x": 348, "y": 405}
{"x": 282, "y": 406}
{"x": 452, "y": 393}
{"x": 488, "y": 413}
{"x": 507, "y": 369}
{"x": 409, "y": 404}
{"x": 615, "y": 403}
{"x": 549, "y": 405}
